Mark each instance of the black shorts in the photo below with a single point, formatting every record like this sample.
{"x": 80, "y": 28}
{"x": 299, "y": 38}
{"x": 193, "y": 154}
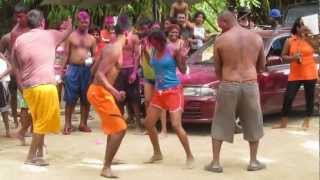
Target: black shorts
{"x": 13, "y": 84}
{"x": 132, "y": 90}
{"x": 4, "y": 96}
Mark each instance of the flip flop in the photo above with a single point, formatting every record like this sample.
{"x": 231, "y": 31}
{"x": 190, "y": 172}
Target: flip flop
{"x": 37, "y": 162}
{"x": 256, "y": 167}
{"x": 215, "y": 169}
{"x": 109, "y": 176}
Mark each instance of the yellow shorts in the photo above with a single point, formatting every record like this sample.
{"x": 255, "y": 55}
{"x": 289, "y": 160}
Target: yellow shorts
{"x": 44, "y": 106}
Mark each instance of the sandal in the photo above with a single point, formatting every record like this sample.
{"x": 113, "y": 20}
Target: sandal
{"x": 85, "y": 129}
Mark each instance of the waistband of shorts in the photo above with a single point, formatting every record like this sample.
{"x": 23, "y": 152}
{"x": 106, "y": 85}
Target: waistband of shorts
{"x": 160, "y": 91}
{"x": 36, "y": 85}
{"x": 241, "y": 82}
{"x": 150, "y": 81}
{"x": 78, "y": 65}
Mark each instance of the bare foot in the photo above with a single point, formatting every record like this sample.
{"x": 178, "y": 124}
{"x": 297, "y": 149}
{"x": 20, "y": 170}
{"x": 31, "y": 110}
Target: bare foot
{"x": 8, "y": 135}
{"x": 107, "y": 173}
{"x": 190, "y": 163}
{"x": 256, "y": 166}
{"x": 20, "y": 138}
{"x": 214, "y": 167}
{"x": 163, "y": 135}
{"x": 305, "y": 125}
{"x": 154, "y": 159}
{"x": 279, "y": 126}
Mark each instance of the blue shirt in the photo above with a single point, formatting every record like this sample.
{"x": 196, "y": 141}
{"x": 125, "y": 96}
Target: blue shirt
{"x": 165, "y": 71}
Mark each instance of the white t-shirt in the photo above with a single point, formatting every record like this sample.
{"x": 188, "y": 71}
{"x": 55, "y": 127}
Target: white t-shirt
{"x": 3, "y": 68}
{"x": 199, "y": 32}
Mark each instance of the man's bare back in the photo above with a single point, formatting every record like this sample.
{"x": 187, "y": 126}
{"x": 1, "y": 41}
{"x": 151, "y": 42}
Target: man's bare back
{"x": 240, "y": 54}
{"x": 80, "y": 46}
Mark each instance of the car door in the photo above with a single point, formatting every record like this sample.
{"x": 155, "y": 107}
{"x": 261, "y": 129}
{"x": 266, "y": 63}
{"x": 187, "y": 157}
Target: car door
{"x": 273, "y": 81}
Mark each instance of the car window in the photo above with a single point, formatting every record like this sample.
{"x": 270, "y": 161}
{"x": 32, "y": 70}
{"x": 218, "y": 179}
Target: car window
{"x": 274, "y": 54}
{"x": 277, "y": 46}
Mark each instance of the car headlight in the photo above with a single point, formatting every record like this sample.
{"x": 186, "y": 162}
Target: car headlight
{"x": 199, "y": 91}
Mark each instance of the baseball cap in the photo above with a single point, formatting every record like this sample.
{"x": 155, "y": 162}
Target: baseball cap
{"x": 275, "y": 13}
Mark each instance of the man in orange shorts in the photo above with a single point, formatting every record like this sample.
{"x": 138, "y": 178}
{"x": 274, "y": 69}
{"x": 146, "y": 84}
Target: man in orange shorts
{"x": 102, "y": 92}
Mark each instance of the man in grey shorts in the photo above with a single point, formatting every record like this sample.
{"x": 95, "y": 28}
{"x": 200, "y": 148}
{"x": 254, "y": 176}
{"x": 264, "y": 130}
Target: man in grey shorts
{"x": 239, "y": 56}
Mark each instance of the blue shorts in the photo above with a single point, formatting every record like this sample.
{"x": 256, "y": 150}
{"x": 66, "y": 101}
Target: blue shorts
{"x": 76, "y": 83}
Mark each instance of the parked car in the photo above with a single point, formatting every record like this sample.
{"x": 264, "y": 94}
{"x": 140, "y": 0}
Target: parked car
{"x": 200, "y": 82}
{"x": 299, "y": 9}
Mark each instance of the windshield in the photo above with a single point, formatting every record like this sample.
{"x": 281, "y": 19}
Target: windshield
{"x": 203, "y": 55}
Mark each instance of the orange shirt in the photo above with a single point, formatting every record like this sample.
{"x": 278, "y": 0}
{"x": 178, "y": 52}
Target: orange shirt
{"x": 307, "y": 70}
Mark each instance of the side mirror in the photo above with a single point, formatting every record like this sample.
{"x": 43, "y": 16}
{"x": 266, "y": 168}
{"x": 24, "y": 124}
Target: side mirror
{"x": 274, "y": 60}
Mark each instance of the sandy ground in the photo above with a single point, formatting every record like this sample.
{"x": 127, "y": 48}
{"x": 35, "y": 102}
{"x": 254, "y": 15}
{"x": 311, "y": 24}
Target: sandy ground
{"x": 290, "y": 154}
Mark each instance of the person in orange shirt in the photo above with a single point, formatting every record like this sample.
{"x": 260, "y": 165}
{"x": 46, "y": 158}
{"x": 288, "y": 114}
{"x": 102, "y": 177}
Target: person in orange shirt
{"x": 303, "y": 70}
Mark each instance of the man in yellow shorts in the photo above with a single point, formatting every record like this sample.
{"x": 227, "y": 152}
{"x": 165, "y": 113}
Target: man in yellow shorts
{"x": 33, "y": 65}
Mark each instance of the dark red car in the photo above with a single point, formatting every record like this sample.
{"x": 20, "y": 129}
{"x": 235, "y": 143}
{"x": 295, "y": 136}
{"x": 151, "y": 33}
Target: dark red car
{"x": 200, "y": 82}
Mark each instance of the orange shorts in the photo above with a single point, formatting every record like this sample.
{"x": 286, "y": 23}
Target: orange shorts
{"x": 170, "y": 99}
{"x": 105, "y": 106}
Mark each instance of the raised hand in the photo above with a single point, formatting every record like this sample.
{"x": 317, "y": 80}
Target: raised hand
{"x": 184, "y": 49}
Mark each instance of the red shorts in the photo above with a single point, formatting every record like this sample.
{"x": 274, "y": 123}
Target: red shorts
{"x": 171, "y": 99}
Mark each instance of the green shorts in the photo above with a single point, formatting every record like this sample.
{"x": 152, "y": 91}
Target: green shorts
{"x": 21, "y": 101}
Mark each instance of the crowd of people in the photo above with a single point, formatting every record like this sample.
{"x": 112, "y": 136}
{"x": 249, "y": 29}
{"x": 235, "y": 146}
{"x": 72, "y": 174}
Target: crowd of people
{"x": 103, "y": 68}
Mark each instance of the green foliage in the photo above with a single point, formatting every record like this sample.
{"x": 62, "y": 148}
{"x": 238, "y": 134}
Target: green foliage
{"x": 248, "y": 3}
{"x": 211, "y": 8}
{"x": 139, "y": 8}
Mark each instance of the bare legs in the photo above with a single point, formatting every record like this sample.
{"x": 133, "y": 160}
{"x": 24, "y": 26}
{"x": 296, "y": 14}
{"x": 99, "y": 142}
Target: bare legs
{"x": 254, "y": 164}
{"x": 148, "y": 92}
{"x": 214, "y": 166}
{"x": 25, "y": 120}
{"x": 5, "y": 117}
{"x": 68, "y": 126}
{"x": 150, "y": 122}
{"x": 35, "y": 155}
{"x": 14, "y": 105}
{"x": 84, "y": 109}
{"x": 163, "y": 118}
{"x": 113, "y": 144}
{"x": 151, "y": 119}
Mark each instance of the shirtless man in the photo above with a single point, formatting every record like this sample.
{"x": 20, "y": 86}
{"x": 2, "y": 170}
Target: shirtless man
{"x": 239, "y": 56}
{"x": 81, "y": 47}
{"x": 35, "y": 76}
{"x": 128, "y": 80}
{"x": 21, "y": 27}
{"x": 102, "y": 94}
{"x": 180, "y": 6}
